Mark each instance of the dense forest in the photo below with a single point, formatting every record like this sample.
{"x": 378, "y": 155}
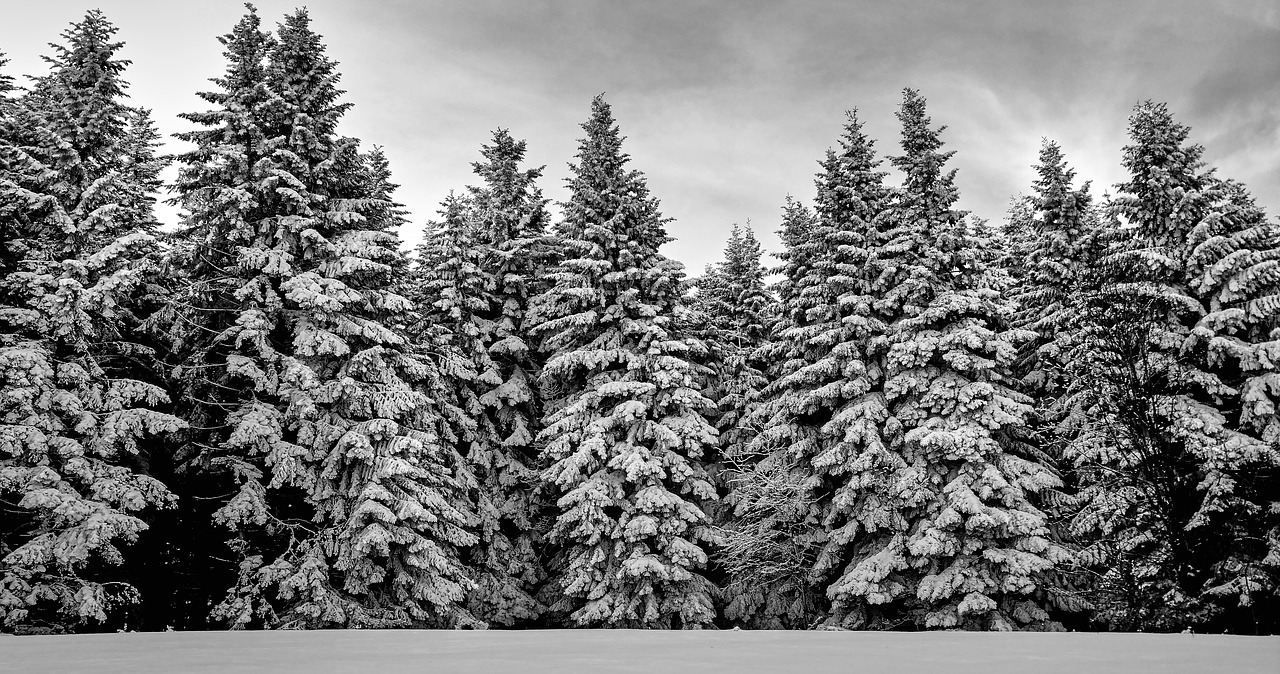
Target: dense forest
{"x": 269, "y": 414}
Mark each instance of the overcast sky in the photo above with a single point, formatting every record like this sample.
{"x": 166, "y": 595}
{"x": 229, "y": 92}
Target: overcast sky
{"x": 728, "y": 105}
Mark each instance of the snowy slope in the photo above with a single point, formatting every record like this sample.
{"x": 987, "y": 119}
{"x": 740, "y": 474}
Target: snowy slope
{"x": 563, "y": 652}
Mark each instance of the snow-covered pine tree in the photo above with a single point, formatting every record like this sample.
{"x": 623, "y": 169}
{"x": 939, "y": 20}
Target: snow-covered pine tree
{"x": 797, "y": 222}
{"x": 729, "y": 311}
{"x": 1058, "y": 249}
{"x": 734, "y": 303}
{"x": 1235, "y": 273}
{"x": 77, "y": 168}
{"x": 818, "y": 392}
{"x": 774, "y": 537}
{"x": 624, "y": 434}
{"x": 454, "y": 291}
{"x": 345, "y": 510}
{"x": 215, "y": 186}
{"x": 1055, "y": 243}
{"x": 1177, "y": 485}
{"x": 511, "y": 220}
{"x": 937, "y": 526}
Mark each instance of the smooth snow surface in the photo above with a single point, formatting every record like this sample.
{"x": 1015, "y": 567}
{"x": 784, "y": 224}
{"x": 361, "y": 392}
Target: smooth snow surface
{"x": 604, "y": 651}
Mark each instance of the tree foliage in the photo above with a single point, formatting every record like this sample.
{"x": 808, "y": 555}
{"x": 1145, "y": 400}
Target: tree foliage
{"x": 1177, "y": 474}
{"x": 267, "y": 414}
{"x": 343, "y": 511}
{"x": 76, "y": 421}
{"x": 624, "y": 432}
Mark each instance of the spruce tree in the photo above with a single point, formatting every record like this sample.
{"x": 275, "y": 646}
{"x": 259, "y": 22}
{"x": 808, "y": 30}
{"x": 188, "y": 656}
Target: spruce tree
{"x": 215, "y": 186}
{"x": 1234, "y": 273}
{"x": 77, "y": 424}
{"x": 344, "y": 510}
{"x": 769, "y": 536}
{"x": 735, "y": 302}
{"x": 935, "y": 521}
{"x": 729, "y": 312}
{"x": 1176, "y": 474}
{"x": 625, "y": 437}
{"x": 821, "y": 386}
{"x": 510, "y": 217}
{"x": 454, "y": 289}
{"x": 1058, "y": 250}
{"x": 477, "y": 270}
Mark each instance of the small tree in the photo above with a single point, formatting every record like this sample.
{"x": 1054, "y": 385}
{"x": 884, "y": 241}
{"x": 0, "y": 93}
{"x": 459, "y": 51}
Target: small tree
{"x": 735, "y": 301}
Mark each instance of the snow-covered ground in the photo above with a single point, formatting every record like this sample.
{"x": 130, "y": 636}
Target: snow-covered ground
{"x": 567, "y": 652}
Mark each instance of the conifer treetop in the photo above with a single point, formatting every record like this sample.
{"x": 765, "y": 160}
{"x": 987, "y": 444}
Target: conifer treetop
{"x": 1168, "y": 189}
{"x": 797, "y": 221}
{"x": 379, "y": 188}
{"x": 742, "y": 255}
{"x": 6, "y": 80}
{"x": 922, "y": 226}
{"x": 247, "y": 46}
{"x": 1061, "y": 211}
{"x": 306, "y": 80}
{"x": 926, "y": 188}
{"x": 86, "y": 85}
{"x": 600, "y": 155}
{"x": 510, "y": 203}
{"x": 1055, "y": 243}
{"x": 849, "y": 187}
{"x": 1054, "y": 176}
{"x": 601, "y": 186}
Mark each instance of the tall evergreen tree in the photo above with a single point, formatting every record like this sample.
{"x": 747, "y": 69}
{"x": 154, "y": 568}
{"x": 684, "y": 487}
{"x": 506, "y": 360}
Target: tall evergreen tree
{"x": 936, "y": 526}
{"x": 1177, "y": 479}
{"x": 1234, "y": 273}
{"x": 215, "y": 186}
{"x": 1056, "y": 242}
{"x": 453, "y": 287}
{"x": 821, "y": 386}
{"x": 511, "y": 218}
{"x": 730, "y": 313}
{"x": 769, "y": 538}
{"x": 76, "y": 422}
{"x": 344, "y": 511}
{"x": 624, "y": 430}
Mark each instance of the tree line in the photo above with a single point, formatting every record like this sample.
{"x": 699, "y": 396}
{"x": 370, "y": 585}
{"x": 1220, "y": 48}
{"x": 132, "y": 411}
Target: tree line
{"x": 269, "y": 415}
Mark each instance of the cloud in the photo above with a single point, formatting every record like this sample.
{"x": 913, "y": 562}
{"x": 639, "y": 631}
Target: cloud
{"x": 1236, "y": 105}
{"x": 728, "y": 105}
